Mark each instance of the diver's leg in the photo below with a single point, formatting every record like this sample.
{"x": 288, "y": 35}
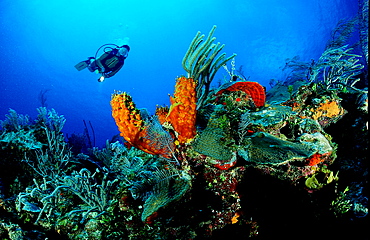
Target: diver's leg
{"x": 92, "y": 67}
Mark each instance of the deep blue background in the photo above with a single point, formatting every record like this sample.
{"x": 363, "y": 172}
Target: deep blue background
{"x": 42, "y": 40}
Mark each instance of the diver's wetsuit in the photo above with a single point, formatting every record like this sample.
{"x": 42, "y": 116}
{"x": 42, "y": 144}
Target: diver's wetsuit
{"x": 109, "y": 63}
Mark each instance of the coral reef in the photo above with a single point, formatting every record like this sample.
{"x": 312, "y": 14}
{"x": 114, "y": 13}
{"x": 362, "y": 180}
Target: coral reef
{"x": 238, "y": 164}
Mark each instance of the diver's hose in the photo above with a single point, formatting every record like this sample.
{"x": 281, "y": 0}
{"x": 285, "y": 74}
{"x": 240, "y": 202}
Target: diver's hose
{"x": 108, "y": 44}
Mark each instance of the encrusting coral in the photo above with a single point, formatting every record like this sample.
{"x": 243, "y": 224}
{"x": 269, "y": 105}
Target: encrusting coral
{"x": 327, "y": 109}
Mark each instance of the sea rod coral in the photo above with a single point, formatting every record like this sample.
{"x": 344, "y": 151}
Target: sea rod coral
{"x": 202, "y": 62}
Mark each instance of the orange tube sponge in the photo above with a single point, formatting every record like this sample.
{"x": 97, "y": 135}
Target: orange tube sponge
{"x": 182, "y": 113}
{"x": 147, "y": 137}
{"x": 127, "y": 117}
{"x": 162, "y": 113}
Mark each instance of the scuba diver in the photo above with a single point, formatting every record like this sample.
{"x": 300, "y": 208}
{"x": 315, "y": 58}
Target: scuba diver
{"x": 109, "y": 63}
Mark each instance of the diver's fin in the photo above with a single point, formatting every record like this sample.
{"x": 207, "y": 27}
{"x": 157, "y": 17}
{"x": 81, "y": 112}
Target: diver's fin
{"x": 81, "y": 65}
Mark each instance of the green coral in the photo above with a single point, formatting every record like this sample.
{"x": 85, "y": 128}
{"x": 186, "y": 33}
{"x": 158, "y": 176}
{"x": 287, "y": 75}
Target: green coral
{"x": 313, "y": 183}
{"x": 322, "y": 177}
{"x": 341, "y": 204}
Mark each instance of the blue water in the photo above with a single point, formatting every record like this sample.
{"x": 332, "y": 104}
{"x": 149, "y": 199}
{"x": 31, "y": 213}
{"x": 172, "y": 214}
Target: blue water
{"x": 41, "y": 41}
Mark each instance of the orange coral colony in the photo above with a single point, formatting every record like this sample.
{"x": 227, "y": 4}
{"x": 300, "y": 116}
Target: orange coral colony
{"x": 131, "y": 126}
{"x": 182, "y": 113}
{"x": 252, "y": 89}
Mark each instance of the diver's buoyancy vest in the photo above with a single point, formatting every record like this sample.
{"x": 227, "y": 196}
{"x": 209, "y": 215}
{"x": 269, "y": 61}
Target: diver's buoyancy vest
{"x": 111, "y": 62}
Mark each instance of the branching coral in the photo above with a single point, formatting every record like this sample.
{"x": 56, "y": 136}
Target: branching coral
{"x": 83, "y": 184}
{"x": 96, "y": 196}
{"x": 342, "y": 32}
{"x": 50, "y": 163}
{"x": 14, "y": 121}
{"x": 50, "y": 119}
{"x": 201, "y": 62}
{"x": 22, "y": 139}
